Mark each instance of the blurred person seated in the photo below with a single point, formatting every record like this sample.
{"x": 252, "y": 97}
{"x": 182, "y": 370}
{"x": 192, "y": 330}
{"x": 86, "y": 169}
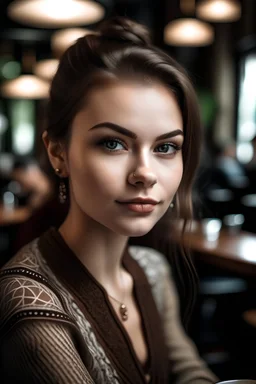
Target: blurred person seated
{"x": 228, "y": 171}
{"x": 39, "y": 192}
{"x": 32, "y": 191}
{"x": 34, "y": 184}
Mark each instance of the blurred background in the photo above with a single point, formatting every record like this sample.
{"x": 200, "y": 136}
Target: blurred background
{"x": 216, "y": 42}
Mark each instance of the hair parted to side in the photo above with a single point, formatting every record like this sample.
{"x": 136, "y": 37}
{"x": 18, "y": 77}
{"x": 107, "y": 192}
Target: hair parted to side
{"x": 122, "y": 49}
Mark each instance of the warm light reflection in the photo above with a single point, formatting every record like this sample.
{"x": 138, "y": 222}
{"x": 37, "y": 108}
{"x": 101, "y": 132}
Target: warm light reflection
{"x": 247, "y": 249}
{"x": 55, "y": 13}
{"x": 244, "y": 152}
{"x": 46, "y": 69}
{"x": 219, "y": 10}
{"x": 25, "y": 87}
{"x": 211, "y": 229}
{"x": 62, "y": 39}
{"x": 188, "y": 32}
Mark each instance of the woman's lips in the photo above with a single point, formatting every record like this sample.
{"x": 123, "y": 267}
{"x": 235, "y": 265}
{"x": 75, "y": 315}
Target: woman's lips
{"x": 139, "y": 207}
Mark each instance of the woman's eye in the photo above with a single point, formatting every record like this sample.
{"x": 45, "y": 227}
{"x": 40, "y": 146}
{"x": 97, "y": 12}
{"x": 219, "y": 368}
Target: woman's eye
{"x": 167, "y": 148}
{"x": 112, "y": 144}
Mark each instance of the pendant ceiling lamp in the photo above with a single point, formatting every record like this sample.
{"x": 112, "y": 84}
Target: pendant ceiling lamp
{"x": 55, "y": 13}
{"x": 188, "y": 31}
{"x": 62, "y": 39}
{"x": 25, "y": 87}
{"x": 219, "y": 10}
{"x": 46, "y": 69}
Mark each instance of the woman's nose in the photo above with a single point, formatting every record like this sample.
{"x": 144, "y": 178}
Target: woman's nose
{"x": 142, "y": 176}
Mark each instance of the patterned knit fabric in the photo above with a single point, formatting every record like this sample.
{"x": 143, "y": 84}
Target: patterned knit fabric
{"x": 46, "y": 337}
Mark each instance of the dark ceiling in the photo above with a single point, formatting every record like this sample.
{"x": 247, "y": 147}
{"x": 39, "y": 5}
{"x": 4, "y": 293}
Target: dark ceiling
{"x": 146, "y": 11}
{"x": 18, "y": 37}
{"x": 153, "y": 13}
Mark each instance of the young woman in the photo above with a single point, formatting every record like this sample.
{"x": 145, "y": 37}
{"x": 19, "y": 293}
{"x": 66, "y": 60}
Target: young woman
{"x": 78, "y": 305}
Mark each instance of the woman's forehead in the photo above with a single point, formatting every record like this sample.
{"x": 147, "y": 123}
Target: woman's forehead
{"x": 131, "y": 101}
{"x": 148, "y": 115}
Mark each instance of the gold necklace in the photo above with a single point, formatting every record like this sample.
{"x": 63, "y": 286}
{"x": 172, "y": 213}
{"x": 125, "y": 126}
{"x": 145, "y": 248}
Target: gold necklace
{"x": 123, "y": 310}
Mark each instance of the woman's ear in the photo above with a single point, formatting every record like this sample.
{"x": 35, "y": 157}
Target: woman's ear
{"x": 57, "y": 155}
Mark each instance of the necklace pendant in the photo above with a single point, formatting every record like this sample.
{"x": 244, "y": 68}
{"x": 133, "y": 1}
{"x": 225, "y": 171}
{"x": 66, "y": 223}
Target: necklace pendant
{"x": 123, "y": 312}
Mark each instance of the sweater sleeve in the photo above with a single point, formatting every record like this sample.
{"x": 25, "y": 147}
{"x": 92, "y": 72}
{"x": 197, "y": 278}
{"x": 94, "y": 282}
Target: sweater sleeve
{"x": 186, "y": 365}
{"x": 41, "y": 352}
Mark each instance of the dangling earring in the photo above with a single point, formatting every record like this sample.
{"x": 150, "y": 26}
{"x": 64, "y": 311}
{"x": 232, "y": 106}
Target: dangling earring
{"x": 62, "y": 192}
{"x": 171, "y": 205}
{"x": 62, "y": 188}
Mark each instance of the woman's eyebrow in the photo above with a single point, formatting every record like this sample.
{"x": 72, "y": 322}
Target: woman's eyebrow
{"x": 127, "y": 132}
{"x": 168, "y": 135}
{"x": 115, "y": 127}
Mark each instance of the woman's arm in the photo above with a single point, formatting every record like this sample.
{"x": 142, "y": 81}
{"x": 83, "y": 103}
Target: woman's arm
{"x": 41, "y": 352}
{"x": 186, "y": 365}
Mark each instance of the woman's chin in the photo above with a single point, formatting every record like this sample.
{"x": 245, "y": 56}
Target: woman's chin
{"x": 135, "y": 231}
{"x": 136, "y": 227}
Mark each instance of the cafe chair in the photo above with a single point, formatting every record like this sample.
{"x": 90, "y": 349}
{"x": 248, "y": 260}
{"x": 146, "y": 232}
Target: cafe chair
{"x": 247, "y": 341}
{"x": 218, "y": 310}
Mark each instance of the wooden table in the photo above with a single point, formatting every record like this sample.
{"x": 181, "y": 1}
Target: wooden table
{"x": 234, "y": 252}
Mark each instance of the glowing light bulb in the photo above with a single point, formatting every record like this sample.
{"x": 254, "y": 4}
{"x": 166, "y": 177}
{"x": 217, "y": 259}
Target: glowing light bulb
{"x": 25, "y": 87}
{"x": 55, "y": 13}
{"x": 188, "y": 32}
{"x": 219, "y": 10}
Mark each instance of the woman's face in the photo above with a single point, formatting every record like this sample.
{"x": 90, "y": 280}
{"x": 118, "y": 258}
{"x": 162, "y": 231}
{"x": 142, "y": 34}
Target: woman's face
{"x": 124, "y": 159}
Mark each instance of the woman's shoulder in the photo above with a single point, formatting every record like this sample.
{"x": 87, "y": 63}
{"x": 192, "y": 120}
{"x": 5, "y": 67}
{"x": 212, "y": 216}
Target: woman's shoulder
{"x": 154, "y": 263}
{"x": 156, "y": 269}
{"x": 27, "y": 257}
{"x": 28, "y": 263}
{"x": 25, "y": 292}
{"x": 148, "y": 256}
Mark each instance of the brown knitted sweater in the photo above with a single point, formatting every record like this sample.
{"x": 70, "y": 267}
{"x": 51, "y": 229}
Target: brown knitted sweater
{"x": 58, "y": 326}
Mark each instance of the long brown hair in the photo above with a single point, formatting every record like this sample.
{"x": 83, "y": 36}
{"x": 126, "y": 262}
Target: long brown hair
{"x": 122, "y": 48}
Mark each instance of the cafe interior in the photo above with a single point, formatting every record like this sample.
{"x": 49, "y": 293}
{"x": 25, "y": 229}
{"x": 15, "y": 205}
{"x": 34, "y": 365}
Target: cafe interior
{"x": 215, "y": 40}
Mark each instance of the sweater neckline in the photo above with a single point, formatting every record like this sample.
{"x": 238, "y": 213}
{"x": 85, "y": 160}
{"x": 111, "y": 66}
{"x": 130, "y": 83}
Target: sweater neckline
{"x": 94, "y": 302}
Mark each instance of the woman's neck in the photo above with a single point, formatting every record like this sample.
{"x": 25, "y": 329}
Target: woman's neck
{"x": 99, "y": 249}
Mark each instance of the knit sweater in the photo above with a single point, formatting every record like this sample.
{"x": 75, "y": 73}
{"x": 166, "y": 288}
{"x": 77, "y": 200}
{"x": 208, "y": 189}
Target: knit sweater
{"x": 57, "y": 324}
